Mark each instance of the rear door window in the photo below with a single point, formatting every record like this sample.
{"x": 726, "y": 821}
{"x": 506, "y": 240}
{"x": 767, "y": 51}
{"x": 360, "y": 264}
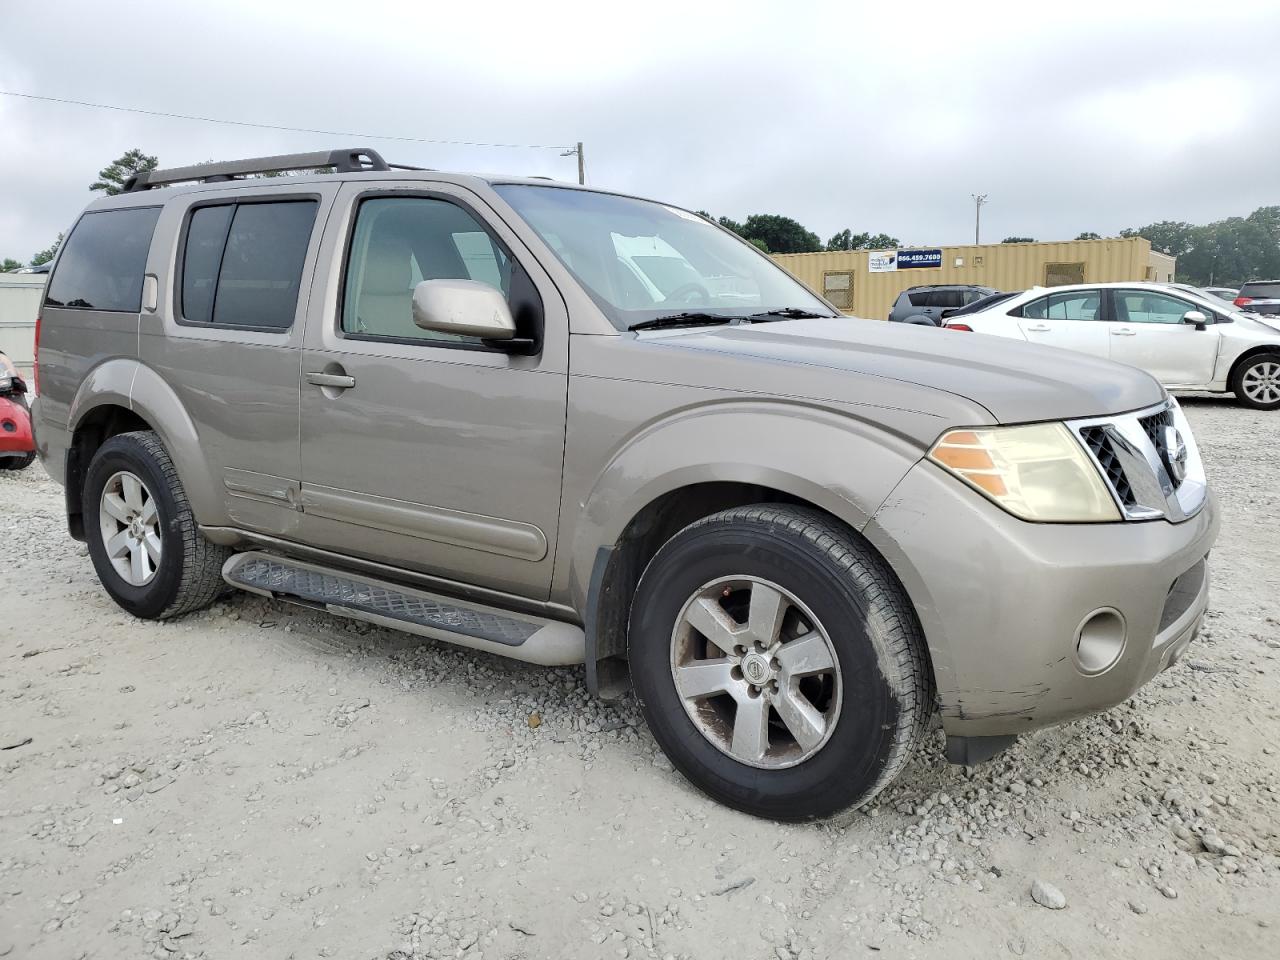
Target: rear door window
{"x": 102, "y": 262}
{"x": 242, "y": 264}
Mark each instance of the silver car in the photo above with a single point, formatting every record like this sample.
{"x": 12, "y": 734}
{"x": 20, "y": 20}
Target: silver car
{"x": 451, "y": 405}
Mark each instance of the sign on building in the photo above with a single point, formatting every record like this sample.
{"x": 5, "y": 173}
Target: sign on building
{"x": 913, "y": 259}
{"x": 891, "y": 260}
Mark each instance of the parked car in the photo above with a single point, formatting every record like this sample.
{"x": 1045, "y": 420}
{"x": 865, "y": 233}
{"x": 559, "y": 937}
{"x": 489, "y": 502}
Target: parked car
{"x": 17, "y": 447}
{"x": 1188, "y": 341}
{"x": 443, "y": 404}
{"x": 982, "y": 303}
{"x": 1259, "y": 296}
{"x": 1227, "y": 294}
{"x": 925, "y": 304}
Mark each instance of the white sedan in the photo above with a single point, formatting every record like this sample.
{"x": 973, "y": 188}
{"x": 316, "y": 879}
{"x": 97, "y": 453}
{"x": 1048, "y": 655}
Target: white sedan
{"x": 1186, "y": 340}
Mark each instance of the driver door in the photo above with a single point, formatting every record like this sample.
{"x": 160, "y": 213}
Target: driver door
{"x": 1146, "y": 331}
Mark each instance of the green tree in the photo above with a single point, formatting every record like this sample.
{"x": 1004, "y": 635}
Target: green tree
{"x": 848, "y": 240}
{"x": 8, "y": 264}
{"x": 45, "y": 255}
{"x": 1230, "y": 252}
{"x": 1089, "y": 235}
{"x": 780, "y": 234}
{"x": 1018, "y": 240}
{"x": 111, "y": 178}
{"x": 1173, "y": 237}
{"x": 731, "y": 225}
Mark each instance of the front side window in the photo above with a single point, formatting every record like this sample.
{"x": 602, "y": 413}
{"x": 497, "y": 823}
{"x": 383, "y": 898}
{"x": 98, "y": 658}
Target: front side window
{"x": 640, "y": 260}
{"x": 242, "y": 263}
{"x": 1143, "y": 306}
{"x": 102, "y": 262}
{"x": 398, "y": 243}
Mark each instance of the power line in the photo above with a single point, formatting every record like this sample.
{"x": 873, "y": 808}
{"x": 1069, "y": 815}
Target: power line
{"x": 275, "y": 126}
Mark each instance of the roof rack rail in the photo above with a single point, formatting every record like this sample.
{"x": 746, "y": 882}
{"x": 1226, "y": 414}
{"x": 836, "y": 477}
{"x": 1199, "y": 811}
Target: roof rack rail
{"x": 351, "y": 160}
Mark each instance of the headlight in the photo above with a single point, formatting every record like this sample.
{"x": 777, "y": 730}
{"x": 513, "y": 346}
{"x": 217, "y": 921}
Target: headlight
{"x": 1037, "y": 472}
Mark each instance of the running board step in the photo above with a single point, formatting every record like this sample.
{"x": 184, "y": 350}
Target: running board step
{"x": 517, "y": 635}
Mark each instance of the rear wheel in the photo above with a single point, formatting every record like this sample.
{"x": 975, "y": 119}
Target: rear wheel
{"x": 778, "y": 662}
{"x": 143, "y": 540}
{"x": 1256, "y": 382}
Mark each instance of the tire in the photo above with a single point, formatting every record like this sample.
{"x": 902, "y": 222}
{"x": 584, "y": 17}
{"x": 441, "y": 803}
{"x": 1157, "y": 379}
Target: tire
{"x": 188, "y": 572}
{"x": 18, "y": 463}
{"x": 876, "y": 701}
{"x": 1256, "y": 381}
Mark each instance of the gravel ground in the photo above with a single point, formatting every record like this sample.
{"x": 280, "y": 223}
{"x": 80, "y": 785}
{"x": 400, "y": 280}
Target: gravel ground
{"x": 259, "y": 780}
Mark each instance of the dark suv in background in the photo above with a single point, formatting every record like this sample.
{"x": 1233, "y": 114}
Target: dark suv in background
{"x": 1259, "y": 296}
{"x": 924, "y": 304}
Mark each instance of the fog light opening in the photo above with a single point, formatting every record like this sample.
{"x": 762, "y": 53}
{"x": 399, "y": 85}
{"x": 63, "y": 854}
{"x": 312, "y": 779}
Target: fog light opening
{"x": 1100, "y": 641}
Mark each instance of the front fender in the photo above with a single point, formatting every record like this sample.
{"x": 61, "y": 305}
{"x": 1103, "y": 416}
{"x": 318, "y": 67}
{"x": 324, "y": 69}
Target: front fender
{"x": 838, "y": 463}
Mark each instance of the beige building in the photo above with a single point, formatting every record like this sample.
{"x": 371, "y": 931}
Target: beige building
{"x": 20, "y": 297}
{"x": 865, "y": 283}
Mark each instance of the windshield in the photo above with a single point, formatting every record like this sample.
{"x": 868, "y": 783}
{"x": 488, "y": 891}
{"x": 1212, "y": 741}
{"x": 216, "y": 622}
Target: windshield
{"x": 641, "y": 260}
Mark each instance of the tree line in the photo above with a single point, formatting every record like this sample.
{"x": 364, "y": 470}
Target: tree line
{"x": 1225, "y": 252}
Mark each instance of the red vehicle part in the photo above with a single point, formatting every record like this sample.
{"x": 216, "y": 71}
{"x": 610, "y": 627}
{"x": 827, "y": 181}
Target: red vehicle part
{"x": 15, "y": 427}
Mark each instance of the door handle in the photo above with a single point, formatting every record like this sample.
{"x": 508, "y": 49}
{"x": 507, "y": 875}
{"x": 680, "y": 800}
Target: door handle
{"x": 1124, "y": 332}
{"x": 1039, "y": 328}
{"x": 338, "y": 380}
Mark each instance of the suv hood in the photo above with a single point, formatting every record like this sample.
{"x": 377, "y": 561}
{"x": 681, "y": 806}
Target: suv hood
{"x": 1017, "y": 382}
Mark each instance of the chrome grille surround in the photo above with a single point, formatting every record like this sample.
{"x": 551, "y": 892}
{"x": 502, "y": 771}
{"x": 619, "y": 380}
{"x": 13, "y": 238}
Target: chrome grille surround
{"x": 1131, "y": 452}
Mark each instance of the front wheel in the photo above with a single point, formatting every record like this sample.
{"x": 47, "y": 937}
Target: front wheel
{"x": 20, "y": 462}
{"x": 778, "y": 662}
{"x": 143, "y": 539}
{"x": 1256, "y": 382}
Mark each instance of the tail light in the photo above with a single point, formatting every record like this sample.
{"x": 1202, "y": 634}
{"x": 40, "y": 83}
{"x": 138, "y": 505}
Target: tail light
{"x": 958, "y": 326}
{"x": 1242, "y": 301}
{"x": 35, "y": 360}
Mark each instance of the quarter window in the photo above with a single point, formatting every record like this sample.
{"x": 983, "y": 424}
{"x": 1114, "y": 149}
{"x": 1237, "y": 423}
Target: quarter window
{"x": 400, "y": 242}
{"x": 242, "y": 263}
{"x": 103, "y": 260}
{"x": 1142, "y": 306}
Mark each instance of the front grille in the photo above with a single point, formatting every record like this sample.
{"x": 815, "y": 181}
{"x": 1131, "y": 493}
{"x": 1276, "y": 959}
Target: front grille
{"x": 1100, "y": 446}
{"x": 1153, "y": 426}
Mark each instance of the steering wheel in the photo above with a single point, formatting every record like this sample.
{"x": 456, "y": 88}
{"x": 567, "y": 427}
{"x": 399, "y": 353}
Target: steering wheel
{"x": 689, "y": 293}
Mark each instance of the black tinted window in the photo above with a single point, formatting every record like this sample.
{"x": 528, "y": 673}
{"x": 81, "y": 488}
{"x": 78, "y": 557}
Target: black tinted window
{"x": 920, "y": 298}
{"x": 1260, "y": 291}
{"x": 206, "y": 236}
{"x": 262, "y": 264}
{"x": 103, "y": 260}
{"x": 946, "y": 299}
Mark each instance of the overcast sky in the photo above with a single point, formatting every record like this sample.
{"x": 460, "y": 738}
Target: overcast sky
{"x": 1072, "y": 116}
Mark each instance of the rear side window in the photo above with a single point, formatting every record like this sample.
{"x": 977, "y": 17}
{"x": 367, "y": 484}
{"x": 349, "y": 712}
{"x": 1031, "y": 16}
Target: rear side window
{"x": 242, "y": 263}
{"x": 103, "y": 260}
{"x": 920, "y": 298}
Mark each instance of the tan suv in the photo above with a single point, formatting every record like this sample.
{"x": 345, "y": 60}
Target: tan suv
{"x": 570, "y": 426}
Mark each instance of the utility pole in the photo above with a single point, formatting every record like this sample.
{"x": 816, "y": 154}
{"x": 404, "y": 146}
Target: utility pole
{"x": 582, "y": 164}
{"x": 978, "y": 200}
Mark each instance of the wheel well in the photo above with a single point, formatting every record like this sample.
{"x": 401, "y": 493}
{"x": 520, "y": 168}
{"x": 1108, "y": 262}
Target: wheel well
{"x": 1249, "y": 355}
{"x": 99, "y": 425}
{"x": 614, "y": 584}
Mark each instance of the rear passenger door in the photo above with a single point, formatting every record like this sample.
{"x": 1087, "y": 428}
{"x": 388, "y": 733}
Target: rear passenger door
{"x": 1071, "y": 320}
{"x": 435, "y": 452}
{"x": 227, "y": 339}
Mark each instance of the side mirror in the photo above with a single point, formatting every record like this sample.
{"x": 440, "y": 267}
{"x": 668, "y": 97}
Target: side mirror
{"x": 463, "y": 307}
{"x": 1197, "y": 318}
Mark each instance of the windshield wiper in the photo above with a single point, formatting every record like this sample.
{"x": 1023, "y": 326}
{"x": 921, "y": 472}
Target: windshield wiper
{"x": 785, "y": 313}
{"x": 691, "y": 319}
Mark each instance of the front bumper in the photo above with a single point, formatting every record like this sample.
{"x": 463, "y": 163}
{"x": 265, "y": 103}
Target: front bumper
{"x": 1002, "y": 601}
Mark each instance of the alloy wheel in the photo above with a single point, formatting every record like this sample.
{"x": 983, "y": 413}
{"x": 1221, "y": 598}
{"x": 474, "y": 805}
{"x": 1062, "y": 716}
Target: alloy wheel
{"x": 1261, "y": 382}
{"x": 756, "y": 672}
{"x": 130, "y": 527}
